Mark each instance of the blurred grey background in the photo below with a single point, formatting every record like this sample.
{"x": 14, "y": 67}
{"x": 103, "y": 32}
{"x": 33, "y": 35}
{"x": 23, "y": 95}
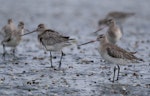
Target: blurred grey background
{"x": 66, "y": 15}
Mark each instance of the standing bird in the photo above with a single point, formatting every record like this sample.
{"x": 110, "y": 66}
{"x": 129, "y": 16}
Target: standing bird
{"x": 13, "y": 39}
{"x": 119, "y": 17}
{"x": 7, "y": 29}
{"x": 114, "y": 33}
{"x": 52, "y": 41}
{"x": 115, "y": 54}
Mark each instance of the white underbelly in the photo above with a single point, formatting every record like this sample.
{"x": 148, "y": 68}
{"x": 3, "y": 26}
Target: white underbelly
{"x": 115, "y": 60}
{"x": 12, "y": 43}
{"x": 117, "y": 37}
{"x": 57, "y": 47}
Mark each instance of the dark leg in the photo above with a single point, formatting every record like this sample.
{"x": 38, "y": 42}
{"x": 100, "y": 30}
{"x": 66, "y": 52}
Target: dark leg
{"x": 62, "y": 54}
{"x": 114, "y": 74}
{"x": 118, "y": 72}
{"x": 51, "y": 59}
{"x": 4, "y": 51}
{"x": 14, "y": 51}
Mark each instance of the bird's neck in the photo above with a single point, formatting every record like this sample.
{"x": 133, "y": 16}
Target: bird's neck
{"x": 104, "y": 41}
{"x": 112, "y": 25}
{"x": 20, "y": 32}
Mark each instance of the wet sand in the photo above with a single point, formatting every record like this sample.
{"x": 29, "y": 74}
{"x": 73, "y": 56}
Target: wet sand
{"x": 83, "y": 72}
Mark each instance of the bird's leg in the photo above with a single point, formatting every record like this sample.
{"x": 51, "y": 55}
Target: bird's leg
{"x": 118, "y": 72}
{"x": 62, "y": 54}
{"x": 14, "y": 51}
{"x": 114, "y": 73}
{"x": 4, "y": 51}
{"x": 51, "y": 59}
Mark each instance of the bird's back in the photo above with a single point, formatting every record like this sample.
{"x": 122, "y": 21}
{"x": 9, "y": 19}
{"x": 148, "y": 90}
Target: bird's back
{"x": 114, "y": 34}
{"x": 115, "y": 54}
{"x": 120, "y": 15}
{"x": 49, "y": 37}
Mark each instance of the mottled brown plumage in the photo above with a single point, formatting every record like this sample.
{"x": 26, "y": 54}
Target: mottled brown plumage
{"x": 7, "y": 29}
{"x": 13, "y": 39}
{"x": 52, "y": 40}
{"x": 49, "y": 37}
{"x": 117, "y": 52}
{"x": 113, "y": 33}
{"x": 119, "y": 15}
{"x": 114, "y": 54}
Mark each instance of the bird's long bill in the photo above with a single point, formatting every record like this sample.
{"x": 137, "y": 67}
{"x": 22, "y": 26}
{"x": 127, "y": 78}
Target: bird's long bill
{"x": 26, "y": 30}
{"x": 92, "y": 41}
{"x": 99, "y": 29}
{"x": 29, "y": 32}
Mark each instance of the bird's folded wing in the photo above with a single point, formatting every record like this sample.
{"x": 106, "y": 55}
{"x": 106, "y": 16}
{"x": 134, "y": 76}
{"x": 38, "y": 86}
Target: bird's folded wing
{"x": 117, "y": 52}
{"x": 51, "y": 38}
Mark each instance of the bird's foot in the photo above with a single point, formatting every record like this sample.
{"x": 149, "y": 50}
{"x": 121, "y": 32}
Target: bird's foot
{"x": 111, "y": 80}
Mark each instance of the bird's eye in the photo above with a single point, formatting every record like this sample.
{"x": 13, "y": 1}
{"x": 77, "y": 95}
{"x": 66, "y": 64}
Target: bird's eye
{"x": 111, "y": 20}
{"x": 100, "y": 36}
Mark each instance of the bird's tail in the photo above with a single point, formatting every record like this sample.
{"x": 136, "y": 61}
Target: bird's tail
{"x": 140, "y": 59}
{"x": 74, "y": 41}
{"x": 133, "y": 52}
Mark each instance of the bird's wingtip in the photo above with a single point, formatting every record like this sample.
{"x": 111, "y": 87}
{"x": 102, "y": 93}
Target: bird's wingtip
{"x": 141, "y": 60}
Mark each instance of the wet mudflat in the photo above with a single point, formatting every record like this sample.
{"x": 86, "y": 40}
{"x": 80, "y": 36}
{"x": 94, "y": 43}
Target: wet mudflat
{"x": 83, "y": 72}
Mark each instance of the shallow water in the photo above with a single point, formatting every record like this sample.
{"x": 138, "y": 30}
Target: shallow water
{"x": 83, "y": 71}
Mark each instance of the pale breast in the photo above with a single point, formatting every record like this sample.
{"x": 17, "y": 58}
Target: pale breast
{"x": 118, "y": 34}
{"x": 53, "y": 41}
{"x": 114, "y": 34}
{"x": 113, "y": 60}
